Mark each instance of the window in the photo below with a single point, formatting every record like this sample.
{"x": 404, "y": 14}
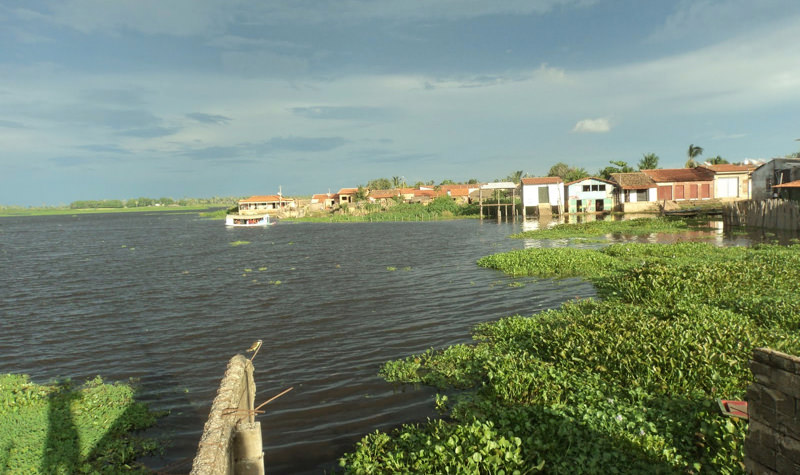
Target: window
{"x": 641, "y": 195}
{"x": 585, "y": 187}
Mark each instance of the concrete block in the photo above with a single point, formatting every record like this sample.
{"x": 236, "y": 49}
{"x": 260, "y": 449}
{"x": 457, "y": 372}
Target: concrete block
{"x": 790, "y": 448}
{"x": 762, "y": 373}
{"x": 763, "y": 435}
{"x": 755, "y": 468}
{"x": 761, "y": 454}
{"x": 785, "y": 466}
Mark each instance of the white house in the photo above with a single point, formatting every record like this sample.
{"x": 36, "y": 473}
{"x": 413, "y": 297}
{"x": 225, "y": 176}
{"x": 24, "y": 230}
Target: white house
{"x": 590, "y": 195}
{"x": 546, "y": 194}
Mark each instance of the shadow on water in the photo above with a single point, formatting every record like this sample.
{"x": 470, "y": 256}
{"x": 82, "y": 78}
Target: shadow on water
{"x": 62, "y": 445}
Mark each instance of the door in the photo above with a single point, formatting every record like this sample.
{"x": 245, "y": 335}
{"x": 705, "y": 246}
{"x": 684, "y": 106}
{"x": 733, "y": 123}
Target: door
{"x": 544, "y": 195}
{"x": 664, "y": 192}
{"x": 599, "y": 205}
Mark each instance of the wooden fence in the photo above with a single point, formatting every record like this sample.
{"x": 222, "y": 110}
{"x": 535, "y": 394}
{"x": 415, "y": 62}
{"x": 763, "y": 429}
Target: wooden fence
{"x": 769, "y": 214}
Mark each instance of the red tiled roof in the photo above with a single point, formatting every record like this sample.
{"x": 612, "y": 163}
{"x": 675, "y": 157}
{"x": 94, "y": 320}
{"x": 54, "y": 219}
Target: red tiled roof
{"x": 728, "y": 167}
{"x": 323, "y": 196}
{"x": 348, "y": 191}
{"x": 670, "y": 175}
{"x": 380, "y": 194}
{"x": 545, "y": 180}
{"x": 633, "y": 181}
{"x": 265, "y": 199}
{"x": 791, "y": 184}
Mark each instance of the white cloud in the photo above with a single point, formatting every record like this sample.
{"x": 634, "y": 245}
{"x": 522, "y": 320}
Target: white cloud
{"x": 597, "y": 126}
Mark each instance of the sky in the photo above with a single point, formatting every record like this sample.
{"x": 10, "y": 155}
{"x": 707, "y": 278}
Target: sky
{"x": 198, "y": 98}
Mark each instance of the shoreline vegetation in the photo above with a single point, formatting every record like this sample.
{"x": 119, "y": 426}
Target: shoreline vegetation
{"x": 66, "y": 428}
{"x": 623, "y": 383}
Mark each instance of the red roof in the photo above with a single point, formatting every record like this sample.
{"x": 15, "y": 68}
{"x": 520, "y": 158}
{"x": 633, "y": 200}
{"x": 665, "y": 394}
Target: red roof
{"x": 791, "y": 184}
{"x": 672, "y": 175}
{"x": 265, "y": 199}
{"x": 633, "y": 181}
{"x": 348, "y": 191}
{"x": 729, "y": 167}
{"x": 322, "y": 196}
{"x": 379, "y": 194}
{"x": 545, "y": 180}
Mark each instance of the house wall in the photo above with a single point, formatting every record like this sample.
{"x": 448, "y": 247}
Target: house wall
{"x": 734, "y": 187}
{"x": 764, "y": 176}
{"x": 588, "y": 199}
{"x": 530, "y": 197}
{"x": 685, "y": 190}
{"x": 640, "y": 207}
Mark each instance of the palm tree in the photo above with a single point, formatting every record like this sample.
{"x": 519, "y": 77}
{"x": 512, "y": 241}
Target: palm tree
{"x": 693, "y": 152}
{"x": 649, "y": 161}
{"x": 716, "y": 161}
{"x": 515, "y": 177}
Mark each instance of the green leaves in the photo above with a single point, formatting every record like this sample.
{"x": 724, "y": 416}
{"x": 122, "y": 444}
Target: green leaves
{"x": 622, "y": 385}
{"x": 61, "y": 429}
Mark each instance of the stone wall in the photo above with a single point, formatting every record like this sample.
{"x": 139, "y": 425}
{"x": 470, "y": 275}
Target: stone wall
{"x": 772, "y": 445}
{"x": 231, "y": 440}
{"x": 770, "y": 214}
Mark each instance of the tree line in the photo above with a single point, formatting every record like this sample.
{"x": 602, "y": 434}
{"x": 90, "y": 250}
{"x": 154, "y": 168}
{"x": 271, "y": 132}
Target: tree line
{"x": 142, "y": 202}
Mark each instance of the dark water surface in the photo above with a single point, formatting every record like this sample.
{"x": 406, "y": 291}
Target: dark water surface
{"x": 166, "y": 298}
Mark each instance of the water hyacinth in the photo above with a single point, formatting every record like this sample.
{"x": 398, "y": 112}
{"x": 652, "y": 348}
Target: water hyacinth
{"x": 626, "y": 384}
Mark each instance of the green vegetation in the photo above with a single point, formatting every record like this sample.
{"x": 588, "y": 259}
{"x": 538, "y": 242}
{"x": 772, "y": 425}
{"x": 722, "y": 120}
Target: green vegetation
{"x": 439, "y": 208}
{"x": 626, "y": 384}
{"x": 632, "y": 227}
{"x": 60, "y": 428}
{"x": 17, "y": 211}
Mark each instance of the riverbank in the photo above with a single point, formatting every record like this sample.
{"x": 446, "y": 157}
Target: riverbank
{"x": 65, "y": 428}
{"x": 22, "y": 212}
{"x": 623, "y": 384}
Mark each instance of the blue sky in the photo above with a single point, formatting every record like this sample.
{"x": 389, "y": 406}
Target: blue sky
{"x": 197, "y": 98}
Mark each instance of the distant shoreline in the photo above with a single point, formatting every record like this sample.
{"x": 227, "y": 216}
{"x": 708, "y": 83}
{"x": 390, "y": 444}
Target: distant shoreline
{"x": 14, "y": 212}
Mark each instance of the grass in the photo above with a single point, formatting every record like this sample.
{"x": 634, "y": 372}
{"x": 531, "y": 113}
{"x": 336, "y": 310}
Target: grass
{"x": 626, "y": 384}
{"x": 61, "y": 428}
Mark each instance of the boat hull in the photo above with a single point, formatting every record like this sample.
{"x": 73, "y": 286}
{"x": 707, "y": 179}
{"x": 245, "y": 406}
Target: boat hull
{"x": 248, "y": 221}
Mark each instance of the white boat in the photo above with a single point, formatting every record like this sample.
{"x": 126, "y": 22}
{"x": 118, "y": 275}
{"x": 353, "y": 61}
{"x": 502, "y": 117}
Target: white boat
{"x": 248, "y": 221}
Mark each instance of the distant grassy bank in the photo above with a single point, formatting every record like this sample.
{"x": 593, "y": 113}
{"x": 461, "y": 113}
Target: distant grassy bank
{"x": 64, "y": 428}
{"x": 13, "y": 211}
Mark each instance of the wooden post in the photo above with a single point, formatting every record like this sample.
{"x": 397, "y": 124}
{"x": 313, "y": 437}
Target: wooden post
{"x": 480, "y": 201}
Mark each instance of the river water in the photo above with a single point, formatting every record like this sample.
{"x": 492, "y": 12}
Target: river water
{"x": 168, "y": 298}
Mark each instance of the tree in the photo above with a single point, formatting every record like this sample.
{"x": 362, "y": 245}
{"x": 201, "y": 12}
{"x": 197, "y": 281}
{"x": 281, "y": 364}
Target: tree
{"x": 618, "y": 167}
{"x": 360, "y": 195}
{"x": 398, "y": 182}
{"x": 515, "y": 176}
{"x": 472, "y": 181}
{"x": 566, "y": 172}
{"x": 649, "y": 161}
{"x": 447, "y": 182}
{"x": 379, "y": 184}
{"x": 716, "y": 161}
{"x": 693, "y": 152}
